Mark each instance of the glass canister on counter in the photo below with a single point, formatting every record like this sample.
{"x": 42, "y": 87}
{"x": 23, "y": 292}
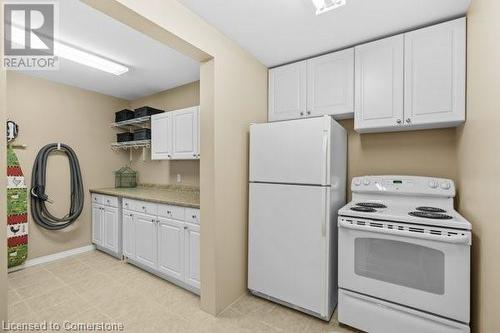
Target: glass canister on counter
{"x": 126, "y": 177}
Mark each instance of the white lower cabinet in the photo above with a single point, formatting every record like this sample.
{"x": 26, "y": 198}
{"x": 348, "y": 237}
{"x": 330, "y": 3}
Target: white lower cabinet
{"x": 145, "y": 239}
{"x": 171, "y": 248}
{"x": 128, "y": 234}
{"x": 167, "y": 244}
{"x": 192, "y": 254}
{"x": 106, "y": 224}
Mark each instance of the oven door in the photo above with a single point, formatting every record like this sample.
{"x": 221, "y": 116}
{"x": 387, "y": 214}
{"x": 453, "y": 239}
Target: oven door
{"x": 422, "y": 267}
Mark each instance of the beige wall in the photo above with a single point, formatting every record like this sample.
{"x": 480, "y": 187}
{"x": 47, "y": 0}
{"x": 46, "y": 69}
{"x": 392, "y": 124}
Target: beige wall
{"x": 3, "y": 201}
{"x": 479, "y": 161}
{"x": 418, "y": 153}
{"x": 234, "y": 83}
{"x": 165, "y": 172}
{"x": 48, "y": 112}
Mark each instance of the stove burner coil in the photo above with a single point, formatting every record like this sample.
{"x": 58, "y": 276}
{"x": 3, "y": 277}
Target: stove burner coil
{"x": 431, "y": 215}
{"x": 371, "y": 205}
{"x": 364, "y": 209}
{"x": 430, "y": 209}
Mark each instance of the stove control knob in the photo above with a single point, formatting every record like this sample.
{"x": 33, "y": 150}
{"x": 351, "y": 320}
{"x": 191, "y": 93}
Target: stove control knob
{"x": 445, "y": 185}
{"x": 357, "y": 181}
{"x": 433, "y": 184}
{"x": 366, "y": 181}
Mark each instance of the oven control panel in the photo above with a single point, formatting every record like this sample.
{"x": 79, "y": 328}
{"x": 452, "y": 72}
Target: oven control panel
{"x": 411, "y": 185}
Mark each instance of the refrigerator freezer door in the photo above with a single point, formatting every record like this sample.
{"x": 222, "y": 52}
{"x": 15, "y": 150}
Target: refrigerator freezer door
{"x": 291, "y": 152}
{"x": 288, "y": 245}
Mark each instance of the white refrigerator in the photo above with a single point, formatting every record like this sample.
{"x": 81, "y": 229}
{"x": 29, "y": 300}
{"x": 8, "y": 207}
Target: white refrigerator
{"x": 297, "y": 184}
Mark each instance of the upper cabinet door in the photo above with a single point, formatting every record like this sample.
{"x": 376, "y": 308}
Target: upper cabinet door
{"x": 379, "y": 85}
{"x": 185, "y": 129}
{"x": 161, "y": 136}
{"x": 435, "y": 74}
{"x": 330, "y": 85}
{"x": 287, "y": 91}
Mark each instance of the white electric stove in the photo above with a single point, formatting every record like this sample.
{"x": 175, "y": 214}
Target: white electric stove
{"x": 404, "y": 257}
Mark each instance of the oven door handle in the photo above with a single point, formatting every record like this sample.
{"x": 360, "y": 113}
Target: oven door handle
{"x": 455, "y": 239}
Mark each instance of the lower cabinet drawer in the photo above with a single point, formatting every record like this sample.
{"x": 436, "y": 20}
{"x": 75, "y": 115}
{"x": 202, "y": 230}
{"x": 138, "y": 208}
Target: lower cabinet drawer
{"x": 110, "y": 201}
{"x": 193, "y": 215}
{"x": 171, "y": 212}
{"x": 141, "y": 206}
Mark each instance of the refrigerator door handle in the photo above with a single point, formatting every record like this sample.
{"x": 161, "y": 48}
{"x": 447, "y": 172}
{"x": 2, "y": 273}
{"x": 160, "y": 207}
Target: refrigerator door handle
{"x": 324, "y": 166}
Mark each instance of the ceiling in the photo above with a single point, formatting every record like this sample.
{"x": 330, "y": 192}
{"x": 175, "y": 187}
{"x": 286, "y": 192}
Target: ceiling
{"x": 282, "y": 31}
{"x": 153, "y": 67}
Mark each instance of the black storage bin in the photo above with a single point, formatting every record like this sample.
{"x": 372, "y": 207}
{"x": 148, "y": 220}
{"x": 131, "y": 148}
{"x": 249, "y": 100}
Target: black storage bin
{"x": 145, "y": 111}
{"x": 124, "y": 137}
{"x": 142, "y": 134}
{"x": 124, "y": 115}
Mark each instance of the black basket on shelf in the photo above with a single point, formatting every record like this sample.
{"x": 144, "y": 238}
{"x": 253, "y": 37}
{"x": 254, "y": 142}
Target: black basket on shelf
{"x": 124, "y": 115}
{"x": 142, "y": 134}
{"x": 124, "y": 137}
{"x": 146, "y": 111}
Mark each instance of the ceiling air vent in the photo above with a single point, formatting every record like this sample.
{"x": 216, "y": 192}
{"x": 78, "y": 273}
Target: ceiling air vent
{"x": 322, "y": 6}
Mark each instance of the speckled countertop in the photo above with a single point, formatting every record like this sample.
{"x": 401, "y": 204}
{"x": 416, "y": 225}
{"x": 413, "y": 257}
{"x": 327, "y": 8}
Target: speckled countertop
{"x": 185, "y": 196}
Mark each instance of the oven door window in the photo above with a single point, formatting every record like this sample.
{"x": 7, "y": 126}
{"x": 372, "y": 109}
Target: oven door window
{"x": 405, "y": 264}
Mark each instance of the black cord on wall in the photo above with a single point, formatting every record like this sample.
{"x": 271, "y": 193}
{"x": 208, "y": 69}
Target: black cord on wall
{"x": 39, "y": 211}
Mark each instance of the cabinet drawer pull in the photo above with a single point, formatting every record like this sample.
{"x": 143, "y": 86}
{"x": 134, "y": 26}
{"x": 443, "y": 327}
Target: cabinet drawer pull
{"x": 194, "y": 216}
{"x": 302, "y": 113}
{"x": 185, "y": 227}
{"x": 308, "y": 112}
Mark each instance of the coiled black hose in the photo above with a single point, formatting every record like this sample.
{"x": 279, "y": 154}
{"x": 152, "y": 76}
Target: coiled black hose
{"x": 38, "y": 196}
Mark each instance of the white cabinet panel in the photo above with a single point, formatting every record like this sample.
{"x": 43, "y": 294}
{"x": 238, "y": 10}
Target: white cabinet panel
{"x": 435, "y": 74}
{"x": 110, "y": 222}
{"x": 171, "y": 248}
{"x": 128, "y": 234}
{"x": 192, "y": 254}
{"x": 97, "y": 224}
{"x": 287, "y": 91}
{"x": 185, "y": 128}
{"x": 161, "y": 136}
{"x": 330, "y": 85}
{"x": 145, "y": 239}
{"x": 379, "y": 85}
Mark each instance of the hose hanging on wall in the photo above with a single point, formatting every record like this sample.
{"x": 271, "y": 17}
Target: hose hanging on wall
{"x": 38, "y": 197}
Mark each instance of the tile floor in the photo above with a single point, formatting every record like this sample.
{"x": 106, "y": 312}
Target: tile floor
{"x": 94, "y": 287}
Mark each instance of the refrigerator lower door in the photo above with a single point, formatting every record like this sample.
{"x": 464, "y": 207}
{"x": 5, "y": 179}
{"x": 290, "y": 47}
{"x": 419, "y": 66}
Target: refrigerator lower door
{"x": 295, "y": 151}
{"x": 289, "y": 243}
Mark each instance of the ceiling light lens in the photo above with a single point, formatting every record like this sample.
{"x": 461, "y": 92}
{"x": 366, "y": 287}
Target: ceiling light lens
{"x": 323, "y": 6}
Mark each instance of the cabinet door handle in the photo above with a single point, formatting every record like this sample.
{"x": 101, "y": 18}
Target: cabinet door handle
{"x": 302, "y": 113}
{"x": 308, "y": 112}
{"x": 408, "y": 120}
{"x": 194, "y": 155}
{"x": 398, "y": 121}
{"x": 185, "y": 227}
{"x": 194, "y": 216}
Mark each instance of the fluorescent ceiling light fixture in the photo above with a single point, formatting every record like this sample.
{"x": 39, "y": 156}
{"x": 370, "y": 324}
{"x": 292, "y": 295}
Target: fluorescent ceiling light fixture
{"x": 73, "y": 54}
{"x": 322, "y": 6}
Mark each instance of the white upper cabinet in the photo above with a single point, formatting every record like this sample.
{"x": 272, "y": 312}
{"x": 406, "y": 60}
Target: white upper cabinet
{"x": 287, "y": 91}
{"x": 424, "y": 90}
{"x": 161, "y": 136}
{"x": 176, "y": 134}
{"x": 435, "y": 75}
{"x": 330, "y": 85}
{"x": 379, "y": 85}
{"x": 185, "y": 132}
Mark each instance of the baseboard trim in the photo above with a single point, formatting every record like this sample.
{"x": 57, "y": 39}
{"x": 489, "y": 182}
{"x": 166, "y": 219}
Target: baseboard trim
{"x": 52, "y": 257}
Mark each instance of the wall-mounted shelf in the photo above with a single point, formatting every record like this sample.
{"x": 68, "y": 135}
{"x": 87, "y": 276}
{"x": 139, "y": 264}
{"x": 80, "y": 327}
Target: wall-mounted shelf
{"x": 131, "y": 123}
{"x": 131, "y": 145}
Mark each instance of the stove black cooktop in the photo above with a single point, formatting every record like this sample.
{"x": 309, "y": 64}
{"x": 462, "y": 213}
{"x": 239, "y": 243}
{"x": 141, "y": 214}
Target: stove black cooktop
{"x": 371, "y": 205}
{"x": 431, "y": 215}
{"x": 363, "y": 209}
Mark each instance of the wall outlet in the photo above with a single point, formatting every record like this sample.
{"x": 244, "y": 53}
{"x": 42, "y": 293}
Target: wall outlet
{"x": 179, "y": 178}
